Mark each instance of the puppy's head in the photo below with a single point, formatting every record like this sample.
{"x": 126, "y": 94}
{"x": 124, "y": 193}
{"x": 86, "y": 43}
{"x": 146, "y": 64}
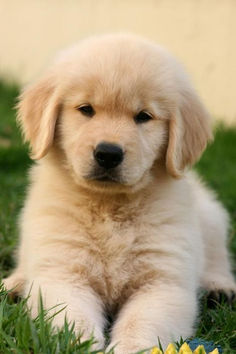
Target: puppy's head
{"x": 122, "y": 105}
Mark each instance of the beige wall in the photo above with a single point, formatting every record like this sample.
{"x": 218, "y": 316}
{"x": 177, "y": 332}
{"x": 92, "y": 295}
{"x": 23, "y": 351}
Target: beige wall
{"x": 202, "y": 33}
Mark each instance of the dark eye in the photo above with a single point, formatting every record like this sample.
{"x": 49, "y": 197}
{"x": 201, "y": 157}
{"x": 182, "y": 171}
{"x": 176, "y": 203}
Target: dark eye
{"x": 86, "y": 109}
{"x": 142, "y": 117}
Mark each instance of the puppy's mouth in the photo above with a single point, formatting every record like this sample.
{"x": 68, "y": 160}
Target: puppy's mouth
{"x": 105, "y": 176}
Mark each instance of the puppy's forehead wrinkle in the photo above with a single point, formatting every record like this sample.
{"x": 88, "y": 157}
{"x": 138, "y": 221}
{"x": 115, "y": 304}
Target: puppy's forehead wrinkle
{"x": 118, "y": 98}
{"x": 113, "y": 79}
{"x": 102, "y": 91}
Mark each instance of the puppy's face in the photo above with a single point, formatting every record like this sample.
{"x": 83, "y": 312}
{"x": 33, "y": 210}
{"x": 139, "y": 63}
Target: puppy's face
{"x": 120, "y": 104}
{"x": 112, "y": 126}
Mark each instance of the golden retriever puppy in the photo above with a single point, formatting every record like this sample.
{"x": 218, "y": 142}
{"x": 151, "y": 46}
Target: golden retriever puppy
{"x": 113, "y": 222}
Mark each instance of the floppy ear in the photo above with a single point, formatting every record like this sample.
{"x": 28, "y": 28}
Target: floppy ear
{"x": 38, "y": 109}
{"x": 189, "y": 132}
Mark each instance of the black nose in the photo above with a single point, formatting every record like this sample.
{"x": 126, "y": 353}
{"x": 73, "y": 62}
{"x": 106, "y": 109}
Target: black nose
{"x": 108, "y": 155}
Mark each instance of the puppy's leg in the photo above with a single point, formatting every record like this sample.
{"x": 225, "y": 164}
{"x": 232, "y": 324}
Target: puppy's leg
{"x": 15, "y": 282}
{"x": 217, "y": 276}
{"x": 78, "y": 303}
{"x": 160, "y": 310}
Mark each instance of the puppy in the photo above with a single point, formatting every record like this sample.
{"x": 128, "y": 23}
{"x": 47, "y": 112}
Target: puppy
{"x": 113, "y": 222}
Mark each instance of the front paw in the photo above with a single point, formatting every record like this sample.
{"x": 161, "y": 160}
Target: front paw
{"x": 215, "y": 297}
{"x": 84, "y": 330}
{"x": 99, "y": 341}
{"x": 14, "y": 284}
{"x": 221, "y": 289}
{"x": 128, "y": 348}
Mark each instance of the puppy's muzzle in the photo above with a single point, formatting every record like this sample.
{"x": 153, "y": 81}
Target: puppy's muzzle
{"x": 108, "y": 155}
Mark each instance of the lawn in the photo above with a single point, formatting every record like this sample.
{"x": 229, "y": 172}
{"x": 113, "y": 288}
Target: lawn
{"x": 20, "y": 334}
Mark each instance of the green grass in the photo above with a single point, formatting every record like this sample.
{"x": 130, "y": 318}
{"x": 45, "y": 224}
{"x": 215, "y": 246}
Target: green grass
{"x": 18, "y": 332}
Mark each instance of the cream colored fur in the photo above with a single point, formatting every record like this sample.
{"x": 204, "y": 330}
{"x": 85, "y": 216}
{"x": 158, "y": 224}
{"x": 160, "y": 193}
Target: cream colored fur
{"x": 140, "y": 248}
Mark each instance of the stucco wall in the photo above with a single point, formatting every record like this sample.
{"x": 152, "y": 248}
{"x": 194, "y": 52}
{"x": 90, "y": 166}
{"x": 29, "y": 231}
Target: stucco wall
{"x": 202, "y": 33}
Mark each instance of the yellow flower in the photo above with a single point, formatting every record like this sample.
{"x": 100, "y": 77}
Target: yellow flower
{"x": 185, "y": 349}
{"x": 156, "y": 350}
{"x": 199, "y": 350}
{"x": 171, "y": 349}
